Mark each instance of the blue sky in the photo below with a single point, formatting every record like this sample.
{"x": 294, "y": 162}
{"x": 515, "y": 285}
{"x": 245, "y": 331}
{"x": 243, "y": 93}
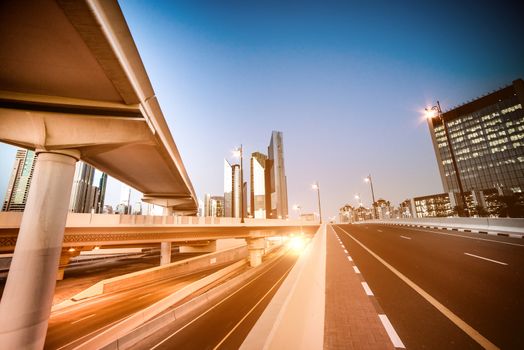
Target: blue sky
{"x": 344, "y": 81}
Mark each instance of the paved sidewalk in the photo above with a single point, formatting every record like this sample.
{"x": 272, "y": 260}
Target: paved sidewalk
{"x": 351, "y": 319}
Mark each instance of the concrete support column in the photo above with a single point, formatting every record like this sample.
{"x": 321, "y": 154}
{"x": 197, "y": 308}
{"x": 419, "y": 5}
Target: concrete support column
{"x": 28, "y": 294}
{"x": 165, "y": 253}
{"x": 65, "y": 257}
{"x": 256, "y": 248}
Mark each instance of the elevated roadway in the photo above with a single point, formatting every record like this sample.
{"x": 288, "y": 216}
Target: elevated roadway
{"x": 73, "y": 87}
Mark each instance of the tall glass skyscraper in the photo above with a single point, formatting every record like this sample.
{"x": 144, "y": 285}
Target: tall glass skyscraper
{"x": 487, "y": 137}
{"x": 276, "y": 185}
{"x": 20, "y": 180}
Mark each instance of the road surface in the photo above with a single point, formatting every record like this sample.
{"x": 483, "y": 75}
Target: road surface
{"x": 436, "y": 287}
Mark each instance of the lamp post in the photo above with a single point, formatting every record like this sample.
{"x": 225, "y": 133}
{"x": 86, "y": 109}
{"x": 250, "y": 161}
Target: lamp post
{"x": 240, "y": 153}
{"x": 368, "y": 179}
{"x": 359, "y": 210}
{"x": 299, "y": 209}
{"x": 315, "y": 186}
{"x": 430, "y": 115}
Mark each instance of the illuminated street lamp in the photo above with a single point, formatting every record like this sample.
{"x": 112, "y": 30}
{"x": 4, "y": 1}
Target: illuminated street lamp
{"x": 316, "y": 187}
{"x": 357, "y": 197}
{"x": 436, "y": 112}
{"x": 368, "y": 179}
{"x": 239, "y": 152}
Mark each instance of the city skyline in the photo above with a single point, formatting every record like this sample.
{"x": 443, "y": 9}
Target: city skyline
{"x": 345, "y": 83}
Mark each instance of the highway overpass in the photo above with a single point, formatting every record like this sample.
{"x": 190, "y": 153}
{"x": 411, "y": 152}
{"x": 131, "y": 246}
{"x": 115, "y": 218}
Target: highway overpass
{"x": 73, "y": 87}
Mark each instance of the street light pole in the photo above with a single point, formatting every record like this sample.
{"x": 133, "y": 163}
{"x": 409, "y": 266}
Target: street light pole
{"x": 317, "y": 187}
{"x": 368, "y": 179}
{"x": 452, "y": 154}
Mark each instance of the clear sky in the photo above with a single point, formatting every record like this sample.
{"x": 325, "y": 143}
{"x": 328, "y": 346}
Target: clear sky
{"x": 344, "y": 81}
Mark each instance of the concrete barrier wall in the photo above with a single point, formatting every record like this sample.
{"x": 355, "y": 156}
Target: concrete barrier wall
{"x": 110, "y": 335}
{"x": 162, "y": 272}
{"x": 294, "y": 319}
{"x": 513, "y": 225}
{"x": 13, "y": 219}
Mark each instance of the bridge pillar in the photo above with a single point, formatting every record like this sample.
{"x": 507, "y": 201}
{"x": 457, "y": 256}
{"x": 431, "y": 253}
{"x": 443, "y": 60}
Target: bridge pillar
{"x": 165, "y": 253}
{"x": 28, "y": 294}
{"x": 65, "y": 257}
{"x": 256, "y": 248}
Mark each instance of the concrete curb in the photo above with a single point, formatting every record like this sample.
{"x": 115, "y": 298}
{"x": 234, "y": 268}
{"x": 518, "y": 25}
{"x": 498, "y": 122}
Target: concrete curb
{"x": 503, "y": 232}
{"x": 491, "y": 233}
{"x": 110, "y": 336}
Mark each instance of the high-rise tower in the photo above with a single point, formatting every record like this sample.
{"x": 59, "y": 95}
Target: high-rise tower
{"x": 20, "y": 180}
{"x": 276, "y": 184}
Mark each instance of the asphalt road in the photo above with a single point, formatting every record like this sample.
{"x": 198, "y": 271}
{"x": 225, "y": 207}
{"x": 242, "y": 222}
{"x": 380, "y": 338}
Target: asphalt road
{"x": 451, "y": 269}
{"x": 69, "y": 326}
{"x": 226, "y": 324}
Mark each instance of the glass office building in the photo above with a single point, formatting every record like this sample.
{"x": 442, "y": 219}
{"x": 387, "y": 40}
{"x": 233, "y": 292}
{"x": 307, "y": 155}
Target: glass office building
{"x": 487, "y": 137}
{"x": 20, "y": 181}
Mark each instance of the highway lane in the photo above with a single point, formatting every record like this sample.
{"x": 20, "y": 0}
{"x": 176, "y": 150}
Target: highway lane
{"x": 226, "y": 324}
{"x": 82, "y": 321}
{"x": 452, "y": 268}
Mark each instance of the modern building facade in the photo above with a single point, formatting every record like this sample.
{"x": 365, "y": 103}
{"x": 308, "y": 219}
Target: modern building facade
{"x": 258, "y": 185}
{"x": 217, "y": 206}
{"x": 20, "y": 181}
{"x": 276, "y": 182}
{"x": 84, "y": 196}
{"x": 232, "y": 190}
{"x": 487, "y": 138}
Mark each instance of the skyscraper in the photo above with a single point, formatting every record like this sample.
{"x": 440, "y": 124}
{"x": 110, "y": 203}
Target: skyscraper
{"x": 276, "y": 182}
{"x": 237, "y": 191}
{"x": 258, "y": 185}
{"x": 487, "y": 138}
{"x": 84, "y": 196}
{"x": 228, "y": 189}
{"x": 20, "y": 180}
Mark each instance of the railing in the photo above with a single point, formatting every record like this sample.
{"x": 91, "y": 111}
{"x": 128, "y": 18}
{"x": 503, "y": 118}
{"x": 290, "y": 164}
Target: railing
{"x": 13, "y": 220}
{"x": 514, "y": 225}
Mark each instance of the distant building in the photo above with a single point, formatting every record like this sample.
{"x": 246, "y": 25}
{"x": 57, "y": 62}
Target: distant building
{"x": 232, "y": 190}
{"x": 237, "y": 191}
{"x": 258, "y": 185}
{"x": 217, "y": 206}
{"x": 228, "y": 189}
{"x": 487, "y": 137}
{"x": 84, "y": 196}
{"x": 207, "y": 205}
{"x": 276, "y": 182}
{"x": 20, "y": 181}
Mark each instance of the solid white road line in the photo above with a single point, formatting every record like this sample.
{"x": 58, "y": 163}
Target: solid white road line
{"x": 253, "y": 308}
{"x": 466, "y": 328}
{"x": 483, "y": 258}
{"x": 367, "y": 289}
{"x": 395, "y": 339}
{"x": 405, "y": 237}
{"x": 83, "y": 318}
{"x": 356, "y": 269}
